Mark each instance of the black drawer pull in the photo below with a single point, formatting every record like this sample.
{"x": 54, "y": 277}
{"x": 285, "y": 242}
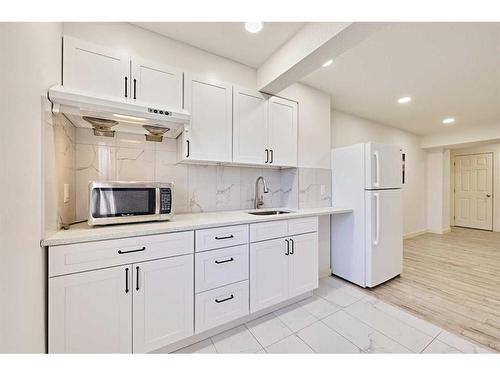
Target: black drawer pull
{"x": 126, "y": 86}
{"x": 137, "y": 278}
{"x": 225, "y": 299}
{"x": 224, "y": 261}
{"x": 224, "y": 238}
{"x": 126, "y": 280}
{"x": 287, "y": 247}
{"x": 293, "y": 247}
{"x": 131, "y": 251}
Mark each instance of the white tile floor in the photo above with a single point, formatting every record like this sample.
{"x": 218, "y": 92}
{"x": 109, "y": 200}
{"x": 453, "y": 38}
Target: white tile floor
{"x": 339, "y": 318}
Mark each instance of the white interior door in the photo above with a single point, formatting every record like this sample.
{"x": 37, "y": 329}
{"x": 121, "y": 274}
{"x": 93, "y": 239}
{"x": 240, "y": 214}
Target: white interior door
{"x": 250, "y": 126}
{"x": 474, "y": 191}
{"x": 163, "y": 302}
{"x": 91, "y": 312}
{"x": 384, "y": 166}
{"x": 283, "y": 132}
{"x": 384, "y": 235}
{"x": 156, "y": 83}
{"x": 90, "y": 67}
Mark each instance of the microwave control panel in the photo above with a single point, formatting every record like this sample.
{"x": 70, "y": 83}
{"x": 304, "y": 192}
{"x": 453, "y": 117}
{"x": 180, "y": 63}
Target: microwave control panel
{"x": 165, "y": 200}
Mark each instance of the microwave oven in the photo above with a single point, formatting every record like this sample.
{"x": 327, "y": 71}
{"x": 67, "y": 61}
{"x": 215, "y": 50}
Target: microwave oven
{"x": 116, "y": 202}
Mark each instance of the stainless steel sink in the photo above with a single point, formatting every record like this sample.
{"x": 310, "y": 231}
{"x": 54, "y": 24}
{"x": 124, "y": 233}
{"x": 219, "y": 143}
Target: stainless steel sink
{"x": 265, "y": 213}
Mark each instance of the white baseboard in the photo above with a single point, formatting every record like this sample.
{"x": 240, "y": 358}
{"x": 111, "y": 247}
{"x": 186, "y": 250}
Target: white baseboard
{"x": 439, "y": 231}
{"x": 413, "y": 234}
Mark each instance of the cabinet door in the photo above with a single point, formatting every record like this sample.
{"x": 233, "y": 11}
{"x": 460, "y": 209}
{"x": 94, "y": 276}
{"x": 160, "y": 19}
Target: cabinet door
{"x": 283, "y": 132}
{"x": 91, "y": 312}
{"x": 95, "y": 69}
{"x": 163, "y": 302}
{"x": 268, "y": 274}
{"x": 210, "y": 133}
{"x": 250, "y": 119}
{"x": 303, "y": 275}
{"x": 156, "y": 83}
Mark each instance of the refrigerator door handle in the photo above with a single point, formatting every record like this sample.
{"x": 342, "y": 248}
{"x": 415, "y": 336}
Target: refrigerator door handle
{"x": 377, "y": 166}
{"x": 377, "y": 218}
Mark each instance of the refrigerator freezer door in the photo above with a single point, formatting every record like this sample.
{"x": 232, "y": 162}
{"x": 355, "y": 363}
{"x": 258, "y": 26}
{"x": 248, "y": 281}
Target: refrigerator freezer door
{"x": 384, "y": 240}
{"x": 383, "y": 166}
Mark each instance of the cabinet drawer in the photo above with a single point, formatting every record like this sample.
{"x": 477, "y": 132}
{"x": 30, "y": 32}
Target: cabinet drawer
{"x": 215, "y": 238}
{"x": 220, "y": 267}
{"x": 221, "y": 305}
{"x": 92, "y": 255}
{"x": 268, "y": 230}
{"x": 302, "y": 225}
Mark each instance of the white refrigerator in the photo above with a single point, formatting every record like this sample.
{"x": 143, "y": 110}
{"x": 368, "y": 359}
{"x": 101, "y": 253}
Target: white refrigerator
{"x": 367, "y": 246}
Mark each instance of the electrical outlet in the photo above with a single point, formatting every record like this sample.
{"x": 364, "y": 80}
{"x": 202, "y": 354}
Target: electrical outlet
{"x": 66, "y": 193}
{"x": 322, "y": 189}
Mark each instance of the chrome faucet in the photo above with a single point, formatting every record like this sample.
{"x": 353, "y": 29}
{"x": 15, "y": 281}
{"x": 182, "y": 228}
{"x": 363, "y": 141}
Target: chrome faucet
{"x": 259, "y": 200}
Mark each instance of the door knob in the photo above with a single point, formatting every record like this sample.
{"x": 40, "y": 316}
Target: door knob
{"x": 488, "y": 195}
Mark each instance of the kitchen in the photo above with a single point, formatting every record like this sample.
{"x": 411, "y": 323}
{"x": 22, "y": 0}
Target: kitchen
{"x": 144, "y": 122}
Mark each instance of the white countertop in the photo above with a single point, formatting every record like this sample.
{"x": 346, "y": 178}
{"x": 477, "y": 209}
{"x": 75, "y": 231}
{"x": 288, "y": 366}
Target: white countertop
{"x": 84, "y": 233}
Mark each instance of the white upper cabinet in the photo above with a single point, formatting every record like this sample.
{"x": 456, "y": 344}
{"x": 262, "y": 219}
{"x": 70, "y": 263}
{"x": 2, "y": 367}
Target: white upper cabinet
{"x": 90, "y": 67}
{"x": 264, "y": 129}
{"x": 91, "y": 312}
{"x": 209, "y": 136}
{"x": 104, "y": 71}
{"x": 156, "y": 83}
{"x": 163, "y": 302}
{"x": 283, "y": 132}
{"x": 250, "y": 126}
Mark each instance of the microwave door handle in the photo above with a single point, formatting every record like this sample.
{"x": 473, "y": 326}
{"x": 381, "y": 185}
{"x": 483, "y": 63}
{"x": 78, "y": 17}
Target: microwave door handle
{"x": 377, "y": 167}
{"x": 377, "y": 218}
{"x": 157, "y": 203}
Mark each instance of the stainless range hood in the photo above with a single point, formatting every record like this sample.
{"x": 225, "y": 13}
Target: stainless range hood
{"x": 89, "y": 110}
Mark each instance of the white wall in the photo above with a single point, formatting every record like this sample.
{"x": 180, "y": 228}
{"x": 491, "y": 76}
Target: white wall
{"x": 453, "y": 136}
{"x": 438, "y": 191}
{"x": 31, "y": 62}
{"x": 348, "y": 129}
{"x": 495, "y": 149}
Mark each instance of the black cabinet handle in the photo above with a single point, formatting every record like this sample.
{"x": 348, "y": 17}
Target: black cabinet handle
{"x": 225, "y": 299}
{"x": 126, "y": 87}
{"x": 137, "y": 278}
{"x": 126, "y": 280}
{"x": 293, "y": 247}
{"x": 267, "y": 156}
{"x": 131, "y": 251}
{"x": 187, "y": 141}
{"x": 224, "y": 238}
{"x": 287, "y": 247}
{"x": 272, "y": 156}
{"x": 224, "y": 261}
{"x": 135, "y": 88}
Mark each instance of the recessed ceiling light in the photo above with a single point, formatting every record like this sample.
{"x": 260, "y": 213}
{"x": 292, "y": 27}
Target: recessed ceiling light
{"x": 253, "y": 27}
{"x": 448, "y": 120}
{"x": 404, "y": 99}
{"x": 327, "y": 63}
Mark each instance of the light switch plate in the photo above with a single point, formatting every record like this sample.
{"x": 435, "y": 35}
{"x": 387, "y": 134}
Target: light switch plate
{"x": 322, "y": 189}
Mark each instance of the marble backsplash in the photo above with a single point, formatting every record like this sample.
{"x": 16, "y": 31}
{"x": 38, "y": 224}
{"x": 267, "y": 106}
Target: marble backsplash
{"x": 81, "y": 157}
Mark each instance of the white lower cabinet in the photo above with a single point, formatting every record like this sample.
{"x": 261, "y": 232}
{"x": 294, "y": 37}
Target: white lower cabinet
{"x": 91, "y": 312}
{"x": 221, "y": 305}
{"x": 303, "y": 264}
{"x": 163, "y": 302}
{"x": 282, "y": 268}
{"x": 268, "y": 274}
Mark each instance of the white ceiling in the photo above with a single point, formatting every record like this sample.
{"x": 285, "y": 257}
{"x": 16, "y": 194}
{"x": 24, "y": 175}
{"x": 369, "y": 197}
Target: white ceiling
{"x": 449, "y": 69}
{"x": 229, "y": 39}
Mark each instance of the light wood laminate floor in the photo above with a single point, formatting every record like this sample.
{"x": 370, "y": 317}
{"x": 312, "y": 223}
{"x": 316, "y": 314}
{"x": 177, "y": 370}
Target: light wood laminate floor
{"x": 453, "y": 281}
